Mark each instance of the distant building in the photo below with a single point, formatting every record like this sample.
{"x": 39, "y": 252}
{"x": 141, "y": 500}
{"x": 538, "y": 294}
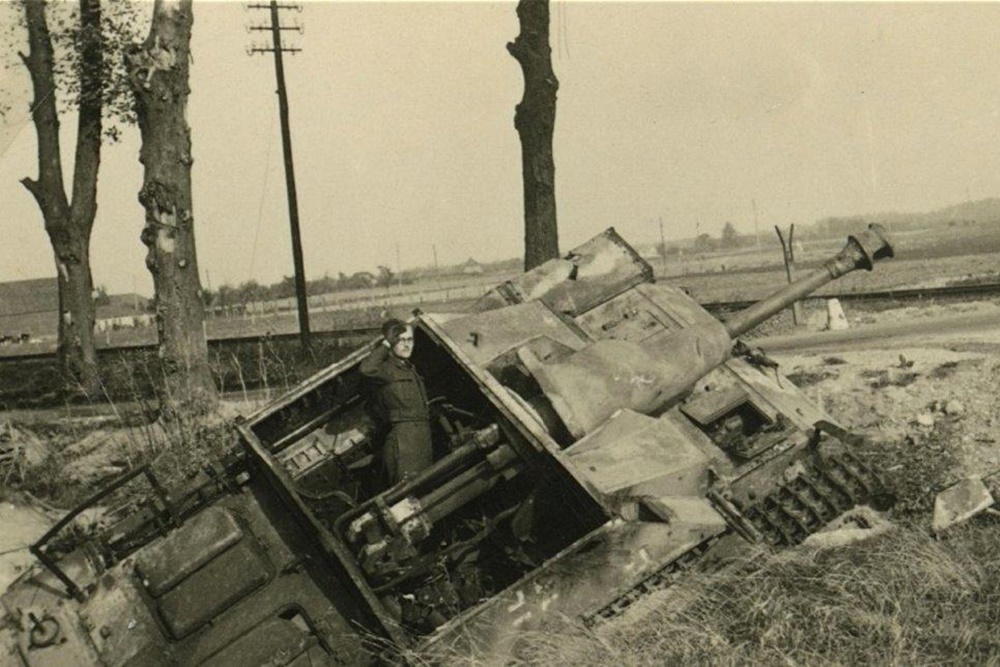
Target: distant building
{"x": 124, "y": 322}
{"x": 21, "y": 297}
{"x": 29, "y": 310}
{"x": 472, "y": 268}
{"x": 648, "y": 250}
{"x": 123, "y": 311}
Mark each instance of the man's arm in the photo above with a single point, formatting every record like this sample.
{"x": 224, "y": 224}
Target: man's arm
{"x": 372, "y": 367}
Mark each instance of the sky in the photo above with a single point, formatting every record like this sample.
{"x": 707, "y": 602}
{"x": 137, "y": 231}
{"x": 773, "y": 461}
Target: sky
{"x": 405, "y": 148}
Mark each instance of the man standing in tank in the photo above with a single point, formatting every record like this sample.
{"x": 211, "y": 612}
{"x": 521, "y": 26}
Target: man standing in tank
{"x": 398, "y": 402}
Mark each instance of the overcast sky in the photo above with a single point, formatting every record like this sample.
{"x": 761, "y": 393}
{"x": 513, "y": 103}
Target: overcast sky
{"x": 402, "y": 123}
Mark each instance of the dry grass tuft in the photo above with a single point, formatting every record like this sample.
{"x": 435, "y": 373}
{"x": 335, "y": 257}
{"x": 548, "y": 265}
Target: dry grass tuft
{"x": 901, "y": 599}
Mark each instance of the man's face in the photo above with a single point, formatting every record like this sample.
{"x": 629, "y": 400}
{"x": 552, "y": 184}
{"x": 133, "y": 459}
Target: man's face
{"x": 403, "y": 347}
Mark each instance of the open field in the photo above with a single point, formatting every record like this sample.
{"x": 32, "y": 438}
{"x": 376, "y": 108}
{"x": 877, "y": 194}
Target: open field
{"x": 932, "y": 257}
{"x": 921, "y": 260}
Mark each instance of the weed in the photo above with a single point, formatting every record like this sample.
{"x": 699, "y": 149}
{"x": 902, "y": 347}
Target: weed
{"x": 132, "y": 375}
{"x": 902, "y": 598}
{"x": 889, "y": 378}
{"x": 916, "y": 466}
{"x": 807, "y": 379}
{"x": 945, "y": 370}
{"x": 84, "y": 453}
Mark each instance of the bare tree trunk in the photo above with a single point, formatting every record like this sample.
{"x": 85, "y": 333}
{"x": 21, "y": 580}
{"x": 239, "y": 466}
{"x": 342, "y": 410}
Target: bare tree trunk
{"x": 69, "y": 224}
{"x": 535, "y": 118}
{"x": 158, "y": 76}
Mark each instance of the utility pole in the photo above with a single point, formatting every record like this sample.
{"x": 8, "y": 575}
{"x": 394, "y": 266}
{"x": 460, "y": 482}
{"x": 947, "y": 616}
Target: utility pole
{"x": 788, "y": 253}
{"x": 756, "y": 224}
{"x": 209, "y": 305}
{"x": 275, "y": 28}
{"x": 399, "y": 269}
{"x": 663, "y": 242}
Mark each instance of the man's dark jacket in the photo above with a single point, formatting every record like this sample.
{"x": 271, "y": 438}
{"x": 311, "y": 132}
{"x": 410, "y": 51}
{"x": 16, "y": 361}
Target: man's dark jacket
{"x": 398, "y": 401}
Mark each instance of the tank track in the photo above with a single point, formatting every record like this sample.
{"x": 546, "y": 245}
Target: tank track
{"x": 659, "y": 580}
{"x": 819, "y": 494}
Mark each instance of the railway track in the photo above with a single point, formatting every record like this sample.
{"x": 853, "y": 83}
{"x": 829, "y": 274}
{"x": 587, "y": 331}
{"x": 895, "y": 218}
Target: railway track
{"x": 908, "y": 294}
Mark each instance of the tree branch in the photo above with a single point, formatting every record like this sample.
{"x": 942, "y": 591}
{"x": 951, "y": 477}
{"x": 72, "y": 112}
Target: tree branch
{"x": 88, "y": 138}
{"x": 35, "y": 189}
{"x": 39, "y": 62}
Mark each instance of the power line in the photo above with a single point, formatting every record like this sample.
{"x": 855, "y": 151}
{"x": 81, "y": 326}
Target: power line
{"x": 260, "y": 205}
{"x": 27, "y": 119}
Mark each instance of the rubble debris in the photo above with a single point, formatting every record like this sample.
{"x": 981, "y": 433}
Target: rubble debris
{"x": 925, "y": 419}
{"x": 892, "y": 377}
{"x": 19, "y": 449}
{"x": 960, "y": 502}
{"x": 953, "y": 407}
{"x": 836, "y": 320}
{"x": 945, "y": 370}
{"x": 22, "y": 525}
{"x": 949, "y": 407}
{"x": 860, "y": 523}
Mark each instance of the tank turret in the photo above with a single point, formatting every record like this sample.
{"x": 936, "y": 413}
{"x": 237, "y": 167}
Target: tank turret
{"x": 589, "y": 385}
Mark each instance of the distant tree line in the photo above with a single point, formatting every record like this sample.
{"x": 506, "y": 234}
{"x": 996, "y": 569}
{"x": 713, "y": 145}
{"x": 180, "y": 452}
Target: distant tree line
{"x": 979, "y": 212}
{"x": 728, "y": 239}
{"x": 251, "y": 291}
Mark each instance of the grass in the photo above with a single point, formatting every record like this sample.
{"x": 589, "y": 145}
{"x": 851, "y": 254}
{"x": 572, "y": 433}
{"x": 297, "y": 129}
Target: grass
{"x": 900, "y": 599}
{"x": 127, "y": 376}
{"x": 945, "y": 370}
{"x": 85, "y": 457}
{"x": 86, "y": 452}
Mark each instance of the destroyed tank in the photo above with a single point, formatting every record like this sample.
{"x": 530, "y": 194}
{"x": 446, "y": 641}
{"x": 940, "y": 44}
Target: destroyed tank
{"x": 597, "y": 433}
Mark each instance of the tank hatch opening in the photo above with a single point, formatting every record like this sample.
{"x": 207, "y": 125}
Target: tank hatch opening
{"x": 735, "y": 422}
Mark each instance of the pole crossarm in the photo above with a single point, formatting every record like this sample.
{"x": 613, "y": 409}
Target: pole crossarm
{"x": 276, "y": 5}
{"x": 270, "y": 49}
{"x": 269, "y": 28}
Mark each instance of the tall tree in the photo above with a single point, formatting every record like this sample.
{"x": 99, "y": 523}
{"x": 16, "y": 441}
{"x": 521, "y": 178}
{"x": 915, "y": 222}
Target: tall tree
{"x": 158, "y": 75}
{"x": 535, "y": 118}
{"x": 729, "y": 237}
{"x": 77, "y": 76}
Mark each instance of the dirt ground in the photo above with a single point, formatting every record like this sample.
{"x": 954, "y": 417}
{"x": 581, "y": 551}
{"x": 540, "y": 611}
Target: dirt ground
{"x": 930, "y": 410}
{"x": 21, "y": 526}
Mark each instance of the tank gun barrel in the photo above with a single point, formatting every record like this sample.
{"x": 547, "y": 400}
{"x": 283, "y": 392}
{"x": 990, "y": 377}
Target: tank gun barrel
{"x": 860, "y": 252}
